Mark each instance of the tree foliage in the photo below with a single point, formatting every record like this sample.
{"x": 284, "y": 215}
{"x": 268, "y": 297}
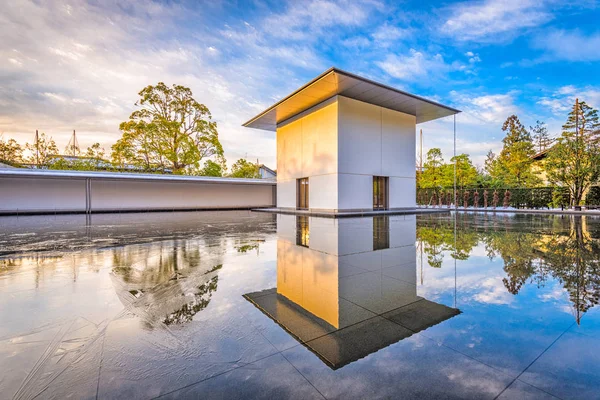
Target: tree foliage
{"x": 513, "y": 164}
{"x": 92, "y": 160}
{"x": 438, "y": 175}
{"x": 214, "y": 168}
{"x": 171, "y": 130}
{"x": 466, "y": 173}
{"x": 432, "y": 176}
{"x": 244, "y": 169}
{"x": 42, "y": 151}
{"x": 10, "y": 151}
{"x": 541, "y": 138}
{"x": 574, "y": 162}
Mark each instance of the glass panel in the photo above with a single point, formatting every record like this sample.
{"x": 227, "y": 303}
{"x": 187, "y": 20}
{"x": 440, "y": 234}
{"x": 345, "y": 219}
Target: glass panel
{"x": 380, "y": 192}
{"x": 302, "y": 231}
{"x": 381, "y": 232}
{"x": 302, "y": 200}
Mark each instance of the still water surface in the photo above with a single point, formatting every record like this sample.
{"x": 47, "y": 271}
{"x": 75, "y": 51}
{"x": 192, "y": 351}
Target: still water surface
{"x": 254, "y": 305}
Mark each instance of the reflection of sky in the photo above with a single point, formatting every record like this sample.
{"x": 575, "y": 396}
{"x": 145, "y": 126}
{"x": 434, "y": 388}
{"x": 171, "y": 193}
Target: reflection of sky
{"x": 77, "y": 286}
{"x": 479, "y": 284}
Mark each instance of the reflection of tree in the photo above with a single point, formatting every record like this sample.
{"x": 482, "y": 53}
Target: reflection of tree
{"x": 573, "y": 260}
{"x": 199, "y": 302}
{"x": 517, "y": 251}
{"x": 437, "y": 236}
{"x": 246, "y": 247}
{"x": 532, "y": 249}
{"x": 165, "y": 283}
{"x": 159, "y": 262}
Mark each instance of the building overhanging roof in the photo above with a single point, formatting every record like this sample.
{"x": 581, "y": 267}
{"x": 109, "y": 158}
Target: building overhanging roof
{"x": 337, "y": 82}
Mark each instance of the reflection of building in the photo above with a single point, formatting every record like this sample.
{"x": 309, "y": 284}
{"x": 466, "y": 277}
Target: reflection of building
{"x": 345, "y": 143}
{"x": 351, "y": 289}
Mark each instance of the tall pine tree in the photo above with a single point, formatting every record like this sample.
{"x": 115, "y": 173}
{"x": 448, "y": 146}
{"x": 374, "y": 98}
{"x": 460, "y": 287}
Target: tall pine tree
{"x": 574, "y": 162}
{"x": 540, "y": 136}
{"x": 513, "y": 165}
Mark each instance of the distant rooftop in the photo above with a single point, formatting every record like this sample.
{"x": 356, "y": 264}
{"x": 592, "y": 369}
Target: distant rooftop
{"x": 334, "y": 82}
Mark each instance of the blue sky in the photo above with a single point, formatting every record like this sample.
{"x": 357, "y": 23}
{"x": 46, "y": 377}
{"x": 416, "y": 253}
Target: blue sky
{"x": 79, "y": 65}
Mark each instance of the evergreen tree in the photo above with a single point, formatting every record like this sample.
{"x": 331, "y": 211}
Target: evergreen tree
{"x": 540, "y": 136}
{"x": 574, "y": 162}
{"x": 433, "y": 174}
{"x": 513, "y": 166}
{"x": 466, "y": 173}
{"x": 583, "y": 120}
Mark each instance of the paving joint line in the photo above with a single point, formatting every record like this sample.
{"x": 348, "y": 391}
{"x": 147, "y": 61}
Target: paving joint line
{"x": 531, "y": 363}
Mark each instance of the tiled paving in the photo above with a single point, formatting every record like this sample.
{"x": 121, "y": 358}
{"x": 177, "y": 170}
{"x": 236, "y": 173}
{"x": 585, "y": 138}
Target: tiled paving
{"x": 122, "y": 322}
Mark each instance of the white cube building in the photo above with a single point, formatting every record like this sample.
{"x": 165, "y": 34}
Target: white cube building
{"x": 345, "y": 143}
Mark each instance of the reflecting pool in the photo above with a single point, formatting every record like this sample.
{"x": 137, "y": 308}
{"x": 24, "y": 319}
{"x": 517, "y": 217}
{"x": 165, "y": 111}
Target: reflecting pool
{"x": 252, "y": 305}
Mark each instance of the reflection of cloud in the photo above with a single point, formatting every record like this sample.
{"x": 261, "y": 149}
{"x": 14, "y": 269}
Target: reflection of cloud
{"x": 493, "y": 291}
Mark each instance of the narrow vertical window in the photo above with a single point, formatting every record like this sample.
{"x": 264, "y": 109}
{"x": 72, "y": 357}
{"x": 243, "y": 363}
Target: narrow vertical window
{"x": 380, "y": 193}
{"x": 302, "y": 194}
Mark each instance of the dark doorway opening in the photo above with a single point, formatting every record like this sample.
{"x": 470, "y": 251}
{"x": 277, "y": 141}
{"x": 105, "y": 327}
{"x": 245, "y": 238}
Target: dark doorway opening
{"x": 380, "y": 193}
{"x": 302, "y": 194}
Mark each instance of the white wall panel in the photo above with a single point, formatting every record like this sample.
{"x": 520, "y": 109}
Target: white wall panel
{"x": 41, "y": 194}
{"x": 355, "y": 192}
{"x": 286, "y": 193}
{"x": 398, "y": 144}
{"x": 323, "y": 194}
{"x": 289, "y": 151}
{"x": 403, "y": 192}
{"x": 359, "y": 137}
{"x": 319, "y": 141}
{"x": 69, "y": 195}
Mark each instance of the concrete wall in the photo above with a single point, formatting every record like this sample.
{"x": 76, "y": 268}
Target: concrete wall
{"x": 340, "y": 145}
{"x": 52, "y": 194}
{"x": 307, "y": 147}
{"x": 375, "y": 141}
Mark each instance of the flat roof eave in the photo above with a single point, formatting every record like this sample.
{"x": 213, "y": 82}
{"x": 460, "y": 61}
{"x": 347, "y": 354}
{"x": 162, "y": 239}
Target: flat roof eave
{"x": 335, "y": 82}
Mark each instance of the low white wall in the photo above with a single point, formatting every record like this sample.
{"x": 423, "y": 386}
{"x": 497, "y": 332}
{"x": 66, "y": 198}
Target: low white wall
{"x": 56, "y": 194}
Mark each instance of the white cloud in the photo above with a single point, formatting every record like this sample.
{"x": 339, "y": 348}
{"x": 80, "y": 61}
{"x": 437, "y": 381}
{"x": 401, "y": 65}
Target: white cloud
{"x": 561, "y": 101}
{"x": 96, "y": 57}
{"x": 389, "y": 33}
{"x": 478, "y": 126}
{"x": 570, "y": 45}
{"x": 491, "y": 108}
{"x": 493, "y": 20}
{"x": 414, "y": 65}
{"x": 306, "y": 20}
{"x": 356, "y": 42}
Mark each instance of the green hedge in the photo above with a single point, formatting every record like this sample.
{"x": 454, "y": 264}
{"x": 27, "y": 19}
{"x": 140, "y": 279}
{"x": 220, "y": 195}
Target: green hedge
{"x": 593, "y": 196}
{"x": 544, "y": 197}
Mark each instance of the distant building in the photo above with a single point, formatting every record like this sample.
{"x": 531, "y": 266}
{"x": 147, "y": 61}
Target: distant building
{"x": 346, "y": 143}
{"x": 538, "y": 165}
{"x": 266, "y": 172}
